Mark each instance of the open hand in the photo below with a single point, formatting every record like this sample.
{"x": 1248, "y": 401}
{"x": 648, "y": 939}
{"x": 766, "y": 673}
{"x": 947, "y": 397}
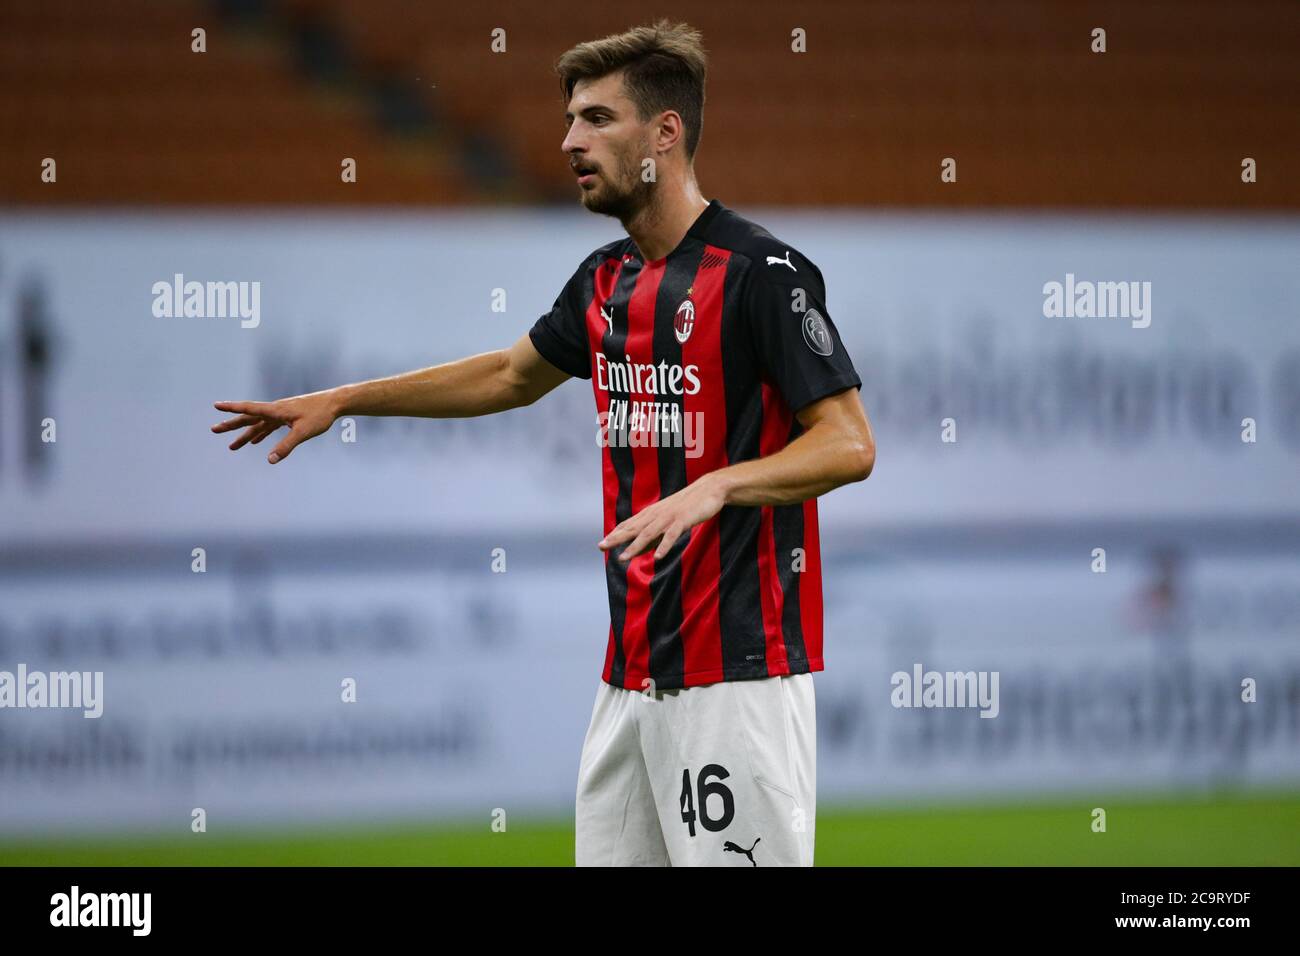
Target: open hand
{"x": 306, "y": 415}
{"x": 667, "y": 519}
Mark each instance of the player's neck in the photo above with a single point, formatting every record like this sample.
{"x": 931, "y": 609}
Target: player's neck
{"x": 660, "y": 227}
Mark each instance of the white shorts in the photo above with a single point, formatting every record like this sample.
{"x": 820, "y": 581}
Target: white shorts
{"x": 723, "y": 774}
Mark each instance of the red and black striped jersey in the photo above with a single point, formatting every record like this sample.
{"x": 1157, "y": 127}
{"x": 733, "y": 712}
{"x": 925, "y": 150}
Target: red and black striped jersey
{"x": 700, "y": 360}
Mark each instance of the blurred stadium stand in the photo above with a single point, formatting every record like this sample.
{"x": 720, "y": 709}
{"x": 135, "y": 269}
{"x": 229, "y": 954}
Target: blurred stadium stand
{"x": 415, "y": 94}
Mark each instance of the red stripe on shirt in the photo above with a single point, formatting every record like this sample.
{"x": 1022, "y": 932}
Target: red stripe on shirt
{"x": 772, "y": 438}
{"x": 639, "y": 350}
{"x": 705, "y": 415}
{"x": 605, "y": 282}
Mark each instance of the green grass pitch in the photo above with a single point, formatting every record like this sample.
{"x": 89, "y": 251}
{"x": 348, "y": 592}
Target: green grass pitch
{"x": 1212, "y": 831}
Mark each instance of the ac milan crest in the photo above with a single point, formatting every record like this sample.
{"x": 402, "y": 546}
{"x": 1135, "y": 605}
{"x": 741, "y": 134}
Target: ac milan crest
{"x": 684, "y": 321}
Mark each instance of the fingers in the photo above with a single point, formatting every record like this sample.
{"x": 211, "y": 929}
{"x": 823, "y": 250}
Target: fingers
{"x": 242, "y": 440}
{"x": 640, "y": 543}
{"x": 626, "y": 531}
{"x": 260, "y": 419}
{"x": 262, "y": 432}
{"x": 254, "y": 434}
{"x": 642, "y": 530}
{"x": 287, "y": 444}
{"x": 670, "y": 536}
{"x": 238, "y": 422}
{"x": 242, "y": 408}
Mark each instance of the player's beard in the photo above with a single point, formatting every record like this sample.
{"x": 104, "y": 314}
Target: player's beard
{"x": 624, "y": 195}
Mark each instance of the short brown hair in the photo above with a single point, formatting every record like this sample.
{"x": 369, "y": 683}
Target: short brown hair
{"x": 664, "y": 68}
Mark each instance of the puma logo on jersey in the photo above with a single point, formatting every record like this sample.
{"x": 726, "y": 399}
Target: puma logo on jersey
{"x": 609, "y": 319}
{"x": 730, "y": 847}
{"x": 773, "y": 261}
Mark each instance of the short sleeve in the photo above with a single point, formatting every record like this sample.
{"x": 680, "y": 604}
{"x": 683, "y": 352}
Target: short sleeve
{"x": 560, "y": 335}
{"x": 794, "y": 339}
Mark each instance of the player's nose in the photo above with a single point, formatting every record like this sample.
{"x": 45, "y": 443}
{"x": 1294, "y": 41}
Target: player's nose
{"x": 572, "y": 145}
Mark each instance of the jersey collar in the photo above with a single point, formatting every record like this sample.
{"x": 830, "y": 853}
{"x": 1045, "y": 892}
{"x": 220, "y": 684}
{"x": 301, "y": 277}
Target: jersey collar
{"x": 702, "y": 221}
{"x": 697, "y": 231}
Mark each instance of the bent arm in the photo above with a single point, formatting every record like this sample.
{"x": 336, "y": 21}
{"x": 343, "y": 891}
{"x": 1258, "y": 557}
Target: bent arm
{"x": 836, "y": 448}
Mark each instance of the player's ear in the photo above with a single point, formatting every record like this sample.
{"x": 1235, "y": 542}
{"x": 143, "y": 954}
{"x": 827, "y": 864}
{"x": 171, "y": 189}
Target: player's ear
{"x": 669, "y": 130}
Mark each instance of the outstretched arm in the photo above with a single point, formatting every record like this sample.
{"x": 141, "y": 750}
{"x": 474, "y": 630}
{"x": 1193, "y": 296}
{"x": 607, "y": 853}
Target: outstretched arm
{"x": 836, "y": 448}
{"x": 477, "y": 385}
